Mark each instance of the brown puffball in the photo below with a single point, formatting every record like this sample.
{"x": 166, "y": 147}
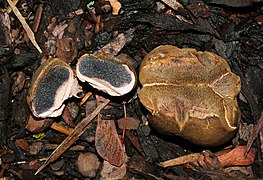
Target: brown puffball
{"x": 190, "y": 94}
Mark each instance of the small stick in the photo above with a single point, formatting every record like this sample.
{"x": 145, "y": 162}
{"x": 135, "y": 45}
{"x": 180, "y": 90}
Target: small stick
{"x": 9, "y": 10}
{"x": 180, "y": 160}
{"x": 29, "y": 32}
{"x": 85, "y": 98}
{"x": 56, "y": 126}
{"x": 124, "y": 123}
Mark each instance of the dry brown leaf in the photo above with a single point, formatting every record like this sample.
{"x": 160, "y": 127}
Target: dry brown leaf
{"x": 107, "y": 141}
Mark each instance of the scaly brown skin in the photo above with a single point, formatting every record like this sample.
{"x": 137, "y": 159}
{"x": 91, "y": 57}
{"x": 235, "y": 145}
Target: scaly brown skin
{"x": 190, "y": 94}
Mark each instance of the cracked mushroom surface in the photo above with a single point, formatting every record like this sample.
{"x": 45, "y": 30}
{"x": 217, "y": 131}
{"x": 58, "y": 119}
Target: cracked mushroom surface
{"x": 190, "y": 94}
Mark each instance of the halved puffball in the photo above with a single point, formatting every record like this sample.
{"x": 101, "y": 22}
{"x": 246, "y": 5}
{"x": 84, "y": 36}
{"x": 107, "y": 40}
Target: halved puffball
{"x": 106, "y": 73}
{"x": 51, "y": 85}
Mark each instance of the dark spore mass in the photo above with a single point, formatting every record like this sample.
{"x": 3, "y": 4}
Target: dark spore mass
{"x": 46, "y": 91}
{"x": 107, "y": 70}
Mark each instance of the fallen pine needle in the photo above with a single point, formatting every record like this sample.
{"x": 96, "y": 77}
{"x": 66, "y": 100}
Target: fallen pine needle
{"x": 180, "y": 160}
{"x": 28, "y": 30}
{"x": 9, "y": 10}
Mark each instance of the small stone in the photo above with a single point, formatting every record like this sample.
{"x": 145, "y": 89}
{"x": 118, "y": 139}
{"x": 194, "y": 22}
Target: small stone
{"x": 73, "y": 109}
{"x": 57, "y": 165}
{"x": 113, "y": 172}
{"x": 131, "y": 123}
{"x": 88, "y": 164}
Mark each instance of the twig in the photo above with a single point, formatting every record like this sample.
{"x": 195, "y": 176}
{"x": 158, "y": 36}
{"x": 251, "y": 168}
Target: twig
{"x": 85, "y": 98}
{"x": 29, "y": 32}
{"x": 9, "y": 10}
{"x": 56, "y": 126}
{"x": 180, "y": 160}
{"x": 124, "y": 123}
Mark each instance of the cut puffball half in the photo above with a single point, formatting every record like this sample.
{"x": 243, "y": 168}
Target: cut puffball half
{"x": 106, "y": 73}
{"x": 51, "y": 85}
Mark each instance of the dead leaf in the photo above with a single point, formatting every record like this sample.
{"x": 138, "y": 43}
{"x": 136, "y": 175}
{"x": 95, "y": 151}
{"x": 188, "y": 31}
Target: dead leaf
{"x": 107, "y": 141}
{"x": 236, "y": 157}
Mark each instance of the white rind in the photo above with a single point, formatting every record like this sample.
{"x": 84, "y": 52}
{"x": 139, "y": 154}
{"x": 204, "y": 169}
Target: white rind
{"x": 62, "y": 93}
{"x": 106, "y": 86}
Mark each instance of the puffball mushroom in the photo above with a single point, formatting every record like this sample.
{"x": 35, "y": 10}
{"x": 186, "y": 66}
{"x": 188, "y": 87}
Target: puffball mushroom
{"x": 51, "y": 85}
{"x": 106, "y": 73}
{"x": 191, "y": 94}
